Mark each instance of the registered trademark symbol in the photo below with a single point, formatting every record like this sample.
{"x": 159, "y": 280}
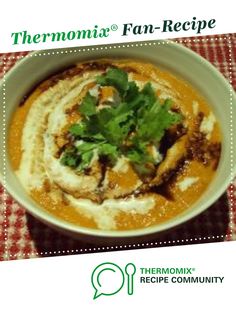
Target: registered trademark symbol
{"x": 114, "y": 27}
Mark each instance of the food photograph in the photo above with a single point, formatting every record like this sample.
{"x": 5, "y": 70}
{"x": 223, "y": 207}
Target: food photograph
{"x": 117, "y": 147}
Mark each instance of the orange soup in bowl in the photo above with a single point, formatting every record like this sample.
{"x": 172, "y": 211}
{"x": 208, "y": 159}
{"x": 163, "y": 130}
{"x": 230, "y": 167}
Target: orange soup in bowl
{"x": 114, "y": 144}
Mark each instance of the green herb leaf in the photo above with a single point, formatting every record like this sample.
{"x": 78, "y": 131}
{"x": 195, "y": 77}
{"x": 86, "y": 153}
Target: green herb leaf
{"x": 155, "y": 120}
{"x": 85, "y": 160}
{"x": 139, "y": 154}
{"x": 70, "y": 157}
{"x": 116, "y": 129}
{"x": 132, "y": 92}
{"x": 108, "y": 150}
{"x": 88, "y": 105}
{"x": 114, "y": 77}
{"x": 149, "y": 92}
{"x": 78, "y": 129}
{"x": 140, "y": 158}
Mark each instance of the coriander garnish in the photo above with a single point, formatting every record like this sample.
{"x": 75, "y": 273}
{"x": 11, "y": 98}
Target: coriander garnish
{"x": 126, "y": 128}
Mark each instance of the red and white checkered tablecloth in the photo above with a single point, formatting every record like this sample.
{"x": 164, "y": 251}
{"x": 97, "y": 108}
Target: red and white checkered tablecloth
{"x": 22, "y": 236}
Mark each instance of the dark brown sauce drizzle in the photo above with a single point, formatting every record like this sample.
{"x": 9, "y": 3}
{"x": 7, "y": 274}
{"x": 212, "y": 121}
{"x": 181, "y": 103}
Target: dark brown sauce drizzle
{"x": 170, "y": 137}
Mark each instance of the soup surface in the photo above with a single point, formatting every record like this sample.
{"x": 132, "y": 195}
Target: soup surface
{"x": 114, "y": 144}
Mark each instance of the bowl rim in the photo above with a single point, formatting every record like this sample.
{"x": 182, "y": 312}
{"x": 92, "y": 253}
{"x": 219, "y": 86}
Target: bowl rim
{"x": 63, "y": 225}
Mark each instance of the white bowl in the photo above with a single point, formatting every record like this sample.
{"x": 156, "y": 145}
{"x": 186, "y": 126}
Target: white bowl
{"x": 177, "y": 59}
